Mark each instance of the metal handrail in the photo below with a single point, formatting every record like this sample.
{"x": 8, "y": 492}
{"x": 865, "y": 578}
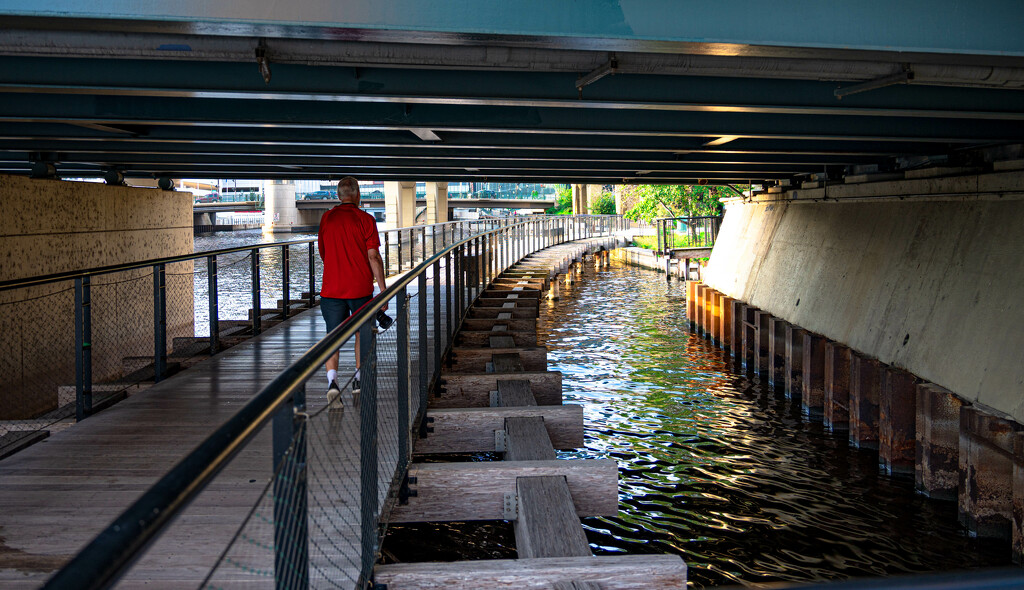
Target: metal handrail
{"x": 101, "y": 270}
{"x": 710, "y": 224}
{"x": 111, "y": 552}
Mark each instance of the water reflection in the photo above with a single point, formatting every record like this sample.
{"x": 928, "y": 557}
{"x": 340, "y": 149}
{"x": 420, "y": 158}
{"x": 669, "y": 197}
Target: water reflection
{"x": 713, "y": 466}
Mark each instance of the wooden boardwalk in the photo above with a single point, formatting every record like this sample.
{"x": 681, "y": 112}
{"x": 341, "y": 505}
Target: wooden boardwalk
{"x": 58, "y": 494}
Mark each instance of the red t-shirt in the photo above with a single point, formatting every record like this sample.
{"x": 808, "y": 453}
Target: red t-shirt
{"x": 346, "y": 233}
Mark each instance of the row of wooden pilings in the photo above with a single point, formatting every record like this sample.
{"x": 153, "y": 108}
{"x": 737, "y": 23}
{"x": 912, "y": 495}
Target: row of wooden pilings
{"x": 498, "y": 395}
{"x": 955, "y": 450}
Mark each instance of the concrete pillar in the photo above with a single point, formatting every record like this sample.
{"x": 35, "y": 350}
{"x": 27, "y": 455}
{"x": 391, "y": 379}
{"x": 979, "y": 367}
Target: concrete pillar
{"x": 725, "y": 330}
{"x": 399, "y": 204}
{"x": 777, "y": 350}
{"x": 762, "y": 326}
{"x": 280, "y": 213}
{"x": 865, "y": 388}
{"x": 813, "y": 390}
{"x": 794, "y": 361}
{"x": 938, "y": 441}
{"x": 437, "y": 202}
{"x": 986, "y": 473}
{"x": 897, "y": 417}
{"x": 837, "y": 387}
{"x": 579, "y": 199}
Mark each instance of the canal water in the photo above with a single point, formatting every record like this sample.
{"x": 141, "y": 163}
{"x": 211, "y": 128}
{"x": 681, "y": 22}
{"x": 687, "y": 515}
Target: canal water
{"x": 713, "y": 466}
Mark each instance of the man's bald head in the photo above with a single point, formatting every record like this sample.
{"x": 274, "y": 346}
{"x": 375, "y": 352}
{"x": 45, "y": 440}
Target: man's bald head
{"x": 348, "y": 190}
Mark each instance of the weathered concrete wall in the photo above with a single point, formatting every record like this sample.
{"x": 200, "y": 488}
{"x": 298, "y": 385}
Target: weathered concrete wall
{"x": 50, "y": 226}
{"x": 932, "y": 286}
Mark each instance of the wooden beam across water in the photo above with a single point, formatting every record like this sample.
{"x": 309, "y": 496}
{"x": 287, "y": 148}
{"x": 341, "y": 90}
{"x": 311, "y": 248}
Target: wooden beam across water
{"x": 618, "y": 572}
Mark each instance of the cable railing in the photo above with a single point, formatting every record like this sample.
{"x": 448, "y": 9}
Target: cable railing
{"x": 75, "y": 343}
{"x": 686, "y": 232}
{"x": 330, "y": 476}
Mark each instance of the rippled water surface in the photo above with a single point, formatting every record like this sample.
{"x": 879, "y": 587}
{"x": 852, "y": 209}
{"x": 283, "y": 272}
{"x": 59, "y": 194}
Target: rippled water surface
{"x": 713, "y": 466}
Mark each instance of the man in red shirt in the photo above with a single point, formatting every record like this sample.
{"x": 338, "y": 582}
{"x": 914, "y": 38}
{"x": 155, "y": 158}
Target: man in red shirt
{"x": 349, "y": 246}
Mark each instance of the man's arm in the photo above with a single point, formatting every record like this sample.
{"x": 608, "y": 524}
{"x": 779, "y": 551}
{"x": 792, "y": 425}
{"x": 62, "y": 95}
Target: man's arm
{"x": 377, "y": 267}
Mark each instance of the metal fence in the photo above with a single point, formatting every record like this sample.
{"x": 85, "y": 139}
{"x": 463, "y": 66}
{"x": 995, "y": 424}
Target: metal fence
{"x": 686, "y": 232}
{"x": 77, "y": 342}
{"x": 314, "y": 515}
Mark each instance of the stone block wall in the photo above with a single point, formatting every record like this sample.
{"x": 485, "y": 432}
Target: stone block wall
{"x": 52, "y": 226}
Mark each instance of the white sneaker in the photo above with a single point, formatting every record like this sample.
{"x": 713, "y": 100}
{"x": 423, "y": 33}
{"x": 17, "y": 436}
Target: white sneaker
{"x": 334, "y": 396}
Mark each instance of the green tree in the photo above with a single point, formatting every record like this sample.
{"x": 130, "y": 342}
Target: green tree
{"x": 563, "y": 206}
{"x": 651, "y": 201}
{"x": 603, "y": 205}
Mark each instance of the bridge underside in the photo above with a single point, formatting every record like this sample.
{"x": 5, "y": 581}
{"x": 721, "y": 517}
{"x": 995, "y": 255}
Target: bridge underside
{"x": 592, "y": 93}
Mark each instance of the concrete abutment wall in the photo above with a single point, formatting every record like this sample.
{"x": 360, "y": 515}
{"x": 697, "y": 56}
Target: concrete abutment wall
{"x": 52, "y": 226}
{"x": 911, "y": 298}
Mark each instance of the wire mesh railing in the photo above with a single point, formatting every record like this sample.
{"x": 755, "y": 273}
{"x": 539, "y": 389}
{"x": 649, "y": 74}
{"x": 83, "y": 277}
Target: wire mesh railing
{"x": 322, "y": 476}
{"x": 686, "y": 232}
{"x": 75, "y": 343}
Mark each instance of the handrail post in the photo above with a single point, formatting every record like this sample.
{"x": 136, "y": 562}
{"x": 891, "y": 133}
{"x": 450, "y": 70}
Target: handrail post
{"x": 403, "y": 357}
{"x": 448, "y": 298}
{"x": 387, "y": 252}
{"x": 398, "y": 236}
{"x": 291, "y": 503}
{"x": 437, "y": 337}
{"x": 83, "y": 348}
{"x": 213, "y": 302}
{"x": 424, "y": 352}
{"x": 285, "y": 280}
{"x": 368, "y": 506}
{"x": 159, "y": 322}
{"x": 257, "y": 324}
{"x": 312, "y": 275}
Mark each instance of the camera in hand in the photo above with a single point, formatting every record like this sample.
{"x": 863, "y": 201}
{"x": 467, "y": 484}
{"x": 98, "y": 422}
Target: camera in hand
{"x": 384, "y": 320}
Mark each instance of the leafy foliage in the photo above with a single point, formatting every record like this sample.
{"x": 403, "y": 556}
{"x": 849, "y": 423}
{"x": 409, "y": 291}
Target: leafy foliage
{"x": 563, "y": 206}
{"x": 603, "y": 205}
{"x": 651, "y": 201}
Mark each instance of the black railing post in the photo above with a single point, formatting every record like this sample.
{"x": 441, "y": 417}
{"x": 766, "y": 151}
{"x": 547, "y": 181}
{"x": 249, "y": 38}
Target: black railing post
{"x": 398, "y": 237}
{"x": 437, "y": 337}
{"x": 312, "y": 275}
{"x": 402, "y": 355}
{"x": 423, "y": 323}
{"x": 387, "y": 253}
{"x": 448, "y": 258}
{"x": 291, "y": 504}
{"x": 460, "y": 269}
{"x": 368, "y": 505}
{"x": 657, "y": 232}
{"x": 257, "y": 325}
{"x": 286, "y": 277}
{"x": 159, "y": 322}
{"x": 83, "y": 348}
{"x": 213, "y": 303}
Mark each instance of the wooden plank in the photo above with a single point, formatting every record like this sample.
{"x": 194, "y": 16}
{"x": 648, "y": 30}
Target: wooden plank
{"x": 502, "y": 300}
{"x": 504, "y": 316}
{"x": 576, "y": 585}
{"x": 522, "y": 293}
{"x": 499, "y": 328}
{"x": 505, "y": 342}
{"x": 448, "y": 492}
{"x": 477, "y": 338}
{"x": 515, "y": 392}
{"x": 546, "y": 522}
{"x": 471, "y": 430}
{"x": 526, "y": 439}
{"x": 510, "y": 308}
{"x": 474, "y": 360}
{"x": 617, "y": 572}
{"x": 507, "y": 362}
{"x": 514, "y": 325}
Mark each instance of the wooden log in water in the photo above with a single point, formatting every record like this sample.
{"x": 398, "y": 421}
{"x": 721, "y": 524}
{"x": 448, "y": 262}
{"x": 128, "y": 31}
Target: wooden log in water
{"x": 618, "y": 572}
{"x": 474, "y": 360}
{"x": 473, "y": 390}
{"x": 480, "y": 338}
{"x": 448, "y": 492}
{"x": 471, "y": 430}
